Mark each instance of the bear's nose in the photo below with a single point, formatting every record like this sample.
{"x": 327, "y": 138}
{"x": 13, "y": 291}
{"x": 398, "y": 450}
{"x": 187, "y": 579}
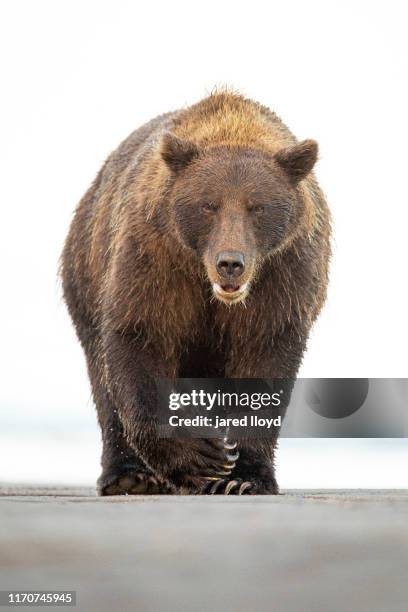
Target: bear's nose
{"x": 230, "y": 264}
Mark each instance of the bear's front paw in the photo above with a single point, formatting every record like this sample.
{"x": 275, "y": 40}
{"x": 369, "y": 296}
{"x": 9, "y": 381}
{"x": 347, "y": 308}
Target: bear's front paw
{"x": 131, "y": 482}
{"x": 207, "y": 462}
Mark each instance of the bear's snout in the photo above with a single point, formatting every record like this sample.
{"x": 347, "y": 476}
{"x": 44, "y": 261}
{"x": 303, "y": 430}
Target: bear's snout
{"x": 230, "y": 264}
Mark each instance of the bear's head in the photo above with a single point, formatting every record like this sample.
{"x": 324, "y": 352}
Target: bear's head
{"x": 234, "y": 207}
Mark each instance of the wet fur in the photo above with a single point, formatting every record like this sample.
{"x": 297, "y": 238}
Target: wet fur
{"x": 142, "y": 303}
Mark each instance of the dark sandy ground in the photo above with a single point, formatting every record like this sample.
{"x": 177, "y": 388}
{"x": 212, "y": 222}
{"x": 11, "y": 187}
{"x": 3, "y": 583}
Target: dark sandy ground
{"x": 311, "y": 551}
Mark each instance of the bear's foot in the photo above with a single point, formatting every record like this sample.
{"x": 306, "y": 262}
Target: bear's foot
{"x": 253, "y": 475}
{"x": 245, "y": 474}
{"x": 131, "y": 481}
{"x": 215, "y": 462}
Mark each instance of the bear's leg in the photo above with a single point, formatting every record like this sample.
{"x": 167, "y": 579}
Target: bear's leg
{"x": 188, "y": 465}
{"x": 123, "y": 472}
{"x": 280, "y": 359}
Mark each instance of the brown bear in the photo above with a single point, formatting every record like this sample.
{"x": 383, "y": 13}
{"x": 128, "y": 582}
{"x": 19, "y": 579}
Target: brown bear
{"x": 200, "y": 250}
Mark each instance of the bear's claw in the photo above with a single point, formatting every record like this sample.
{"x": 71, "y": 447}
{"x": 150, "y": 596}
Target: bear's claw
{"x": 216, "y": 486}
{"x": 231, "y": 486}
{"x": 223, "y": 486}
{"x": 230, "y": 445}
{"x": 245, "y": 486}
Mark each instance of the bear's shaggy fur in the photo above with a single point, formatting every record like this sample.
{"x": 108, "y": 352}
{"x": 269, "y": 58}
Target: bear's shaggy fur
{"x": 154, "y": 287}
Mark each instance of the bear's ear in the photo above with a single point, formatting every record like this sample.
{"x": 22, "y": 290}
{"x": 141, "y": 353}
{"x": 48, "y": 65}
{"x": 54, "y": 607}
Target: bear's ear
{"x": 298, "y": 161}
{"x": 177, "y": 153}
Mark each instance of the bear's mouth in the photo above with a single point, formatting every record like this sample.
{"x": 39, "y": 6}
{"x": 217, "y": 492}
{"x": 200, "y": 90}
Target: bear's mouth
{"x": 230, "y": 288}
{"x": 230, "y": 293}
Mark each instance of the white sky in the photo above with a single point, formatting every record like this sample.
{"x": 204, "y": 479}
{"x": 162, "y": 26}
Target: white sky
{"x": 77, "y": 77}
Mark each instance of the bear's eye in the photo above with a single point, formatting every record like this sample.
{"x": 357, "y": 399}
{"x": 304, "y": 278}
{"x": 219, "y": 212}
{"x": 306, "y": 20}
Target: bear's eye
{"x": 257, "y": 210}
{"x": 208, "y": 207}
